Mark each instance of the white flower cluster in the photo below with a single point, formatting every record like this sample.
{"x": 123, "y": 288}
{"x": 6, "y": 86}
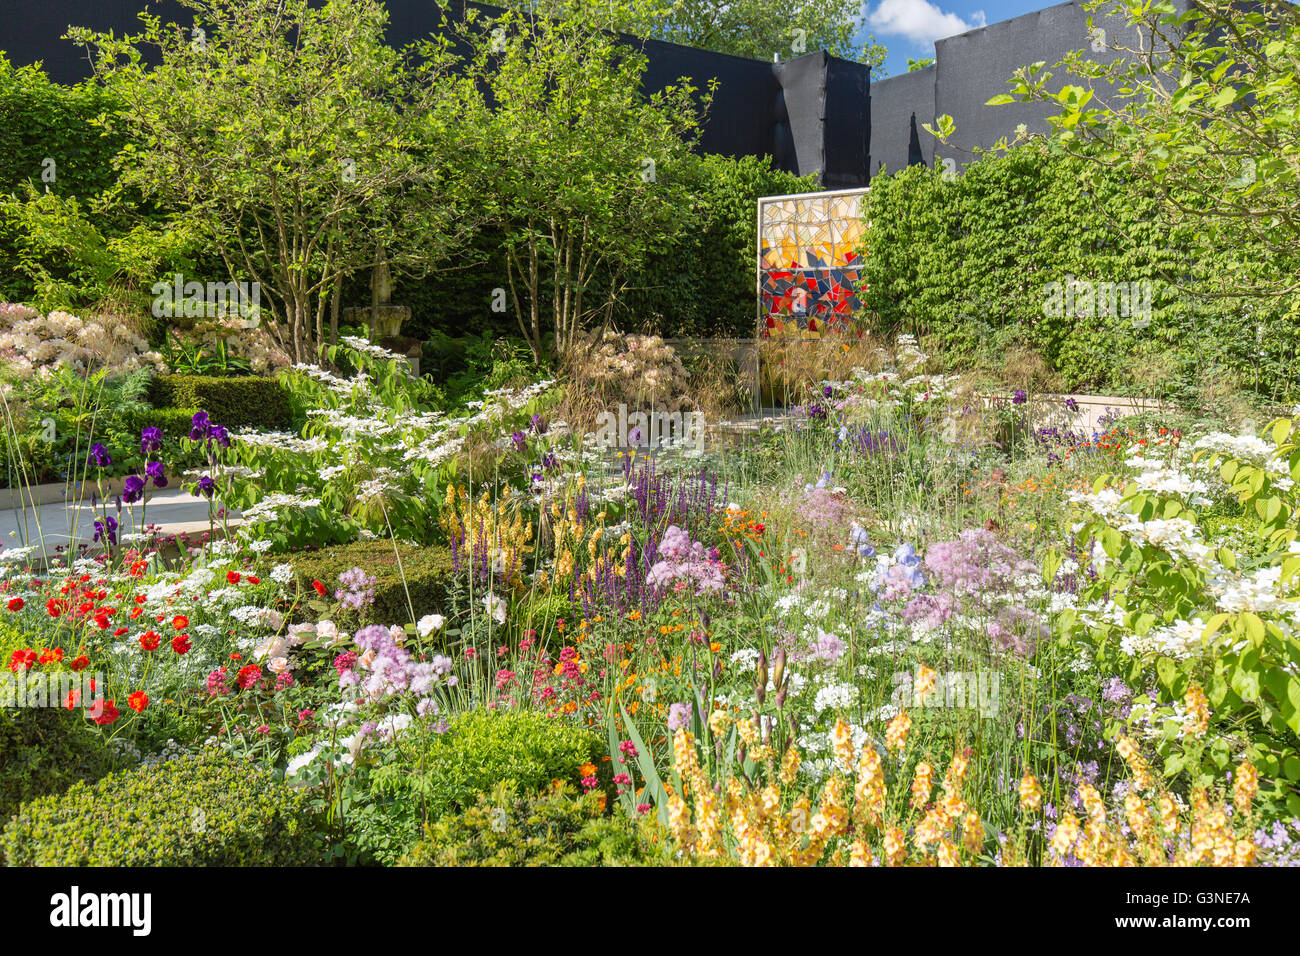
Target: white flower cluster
{"x": 34, "y": 343}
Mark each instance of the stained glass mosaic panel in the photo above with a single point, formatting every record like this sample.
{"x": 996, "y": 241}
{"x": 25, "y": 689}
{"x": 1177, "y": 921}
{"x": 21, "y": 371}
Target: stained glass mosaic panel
{"x": 809, "y": 260}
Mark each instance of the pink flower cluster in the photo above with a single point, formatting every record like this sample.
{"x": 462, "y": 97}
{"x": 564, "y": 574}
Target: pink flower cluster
{"x": 681, "y": 560}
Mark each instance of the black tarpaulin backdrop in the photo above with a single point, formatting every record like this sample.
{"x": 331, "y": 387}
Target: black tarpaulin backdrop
{"x": 812, "y": 114}
{"x": 759, "y": 109}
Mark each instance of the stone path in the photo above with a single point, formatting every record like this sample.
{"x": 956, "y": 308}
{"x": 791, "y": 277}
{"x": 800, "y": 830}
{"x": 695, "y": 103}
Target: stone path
{"x": 68, "y": 524}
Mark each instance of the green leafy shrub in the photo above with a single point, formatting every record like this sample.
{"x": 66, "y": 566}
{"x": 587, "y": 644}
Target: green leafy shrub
{"x": 557, "y": 828}
{"x": 966, "y": 265}
{"x": 40, "y": 118}
{"x": 425, "y": 574}
{"x": 203, "y": 810}
{"x": 480, "y": 749}
{"x": 702, "y": 283}
{"x": 241, "y": 402}
{"x": 45, "y": 750}
{"x": 174, "y": 422}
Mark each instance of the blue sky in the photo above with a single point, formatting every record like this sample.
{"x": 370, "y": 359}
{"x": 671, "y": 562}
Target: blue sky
{"x": 908, "y": 28}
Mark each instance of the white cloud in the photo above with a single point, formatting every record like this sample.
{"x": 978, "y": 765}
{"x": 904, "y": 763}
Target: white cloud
{"x": 919, "y": 20}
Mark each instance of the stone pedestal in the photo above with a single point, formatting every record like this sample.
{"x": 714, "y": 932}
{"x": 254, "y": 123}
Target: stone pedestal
{"x": 388, "y": 319}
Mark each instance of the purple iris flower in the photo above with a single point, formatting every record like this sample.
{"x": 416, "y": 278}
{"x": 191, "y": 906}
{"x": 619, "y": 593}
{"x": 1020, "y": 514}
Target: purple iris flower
{"x": 520, "y": 440}
{"x": 154, "y": 471}
{"x": 1071, "y": 405}
{"x": 538, "y": 424}
{"x": 100, "y": 456}
{"x": 106, "y": 529}
{"x": 200, "y": 426}
{"x": 218, "y": 434}
{"x": 206, "y": 486}
{"x": 133, "y": 489}
{"x": 1019, "y": 397}
{"x": 550, "y": 462}
{"x": 150, "y": 440}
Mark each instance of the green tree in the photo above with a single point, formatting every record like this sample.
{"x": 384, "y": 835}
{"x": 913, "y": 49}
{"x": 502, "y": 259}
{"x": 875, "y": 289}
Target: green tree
{"x": 578, "y": 166}
{"x": 299, "y": 144}
{"x": 1204, "y": 107}
{"x": 759, "y": 29}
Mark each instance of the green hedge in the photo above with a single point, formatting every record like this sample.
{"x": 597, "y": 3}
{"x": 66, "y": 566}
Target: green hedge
{"x": 235, "y": 402}
{"x": 45, "y": 750}
{"x": 174, "y": 422}
{"x": 480, "y": 750}
{"x": 966, "y": 266}
{"x": 702, "y": 284}
{"x": 204, "y": 810}
{"x": 427, "y": 572}
{"x": 557, "y": 828}
{"x": 40, "y": 119}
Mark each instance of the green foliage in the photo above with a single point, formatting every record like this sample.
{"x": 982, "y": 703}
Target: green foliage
{"x": 235, "y": 402}
{"x": 75, "y": 263}
{"x": 482, "y": 748}
{"x": 1248, "y": 657}
{"x": 174, "y": 422}
{"x": 750, "y": 28}
{"x": 203, "y": 810}
{"x": 967, "y": 262}
{"x": 701, "y": 283}
{"x": 425, "y": 574}
{"x": 296, "y": 141}
{"x": 557, "y": 828}
{"x": 575, "y": 162}
{"x": 467, "y": 365}
{"x": 40, "y": 119}
{"x": 58, "y": 417}
{"x": 1209, "y": 121}
{"x": 46, "y": 750}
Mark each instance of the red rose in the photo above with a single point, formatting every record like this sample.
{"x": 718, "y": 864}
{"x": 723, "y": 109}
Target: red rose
{"x": 320, "y": 588}
{"x": 232, "y": 577}
{"x": 137, "y": 701}
{"x": 81, "y": 663}
{"x": 254, "y": 579}
{"x": 149, "y": 641}
{"x": 180, "y": 622}
{"x": 181, "y": 643}
{"x": 16, "y": 604}
{"x": 24, "y": 659}
{"x": 120, "y": 631}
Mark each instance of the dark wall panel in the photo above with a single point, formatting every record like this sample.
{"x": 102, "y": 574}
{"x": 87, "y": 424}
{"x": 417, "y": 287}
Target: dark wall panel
{"x": 847, "y": 130}
{"x": 803, "y": 81}
{"x": 742, "y": 117}
{"x": 973, "y": 67}
{"x": 893, "y": 104}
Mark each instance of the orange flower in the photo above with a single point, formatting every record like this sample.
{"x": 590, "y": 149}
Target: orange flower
{"x": 587, "y": 770}
{"x": 137, "y": 701}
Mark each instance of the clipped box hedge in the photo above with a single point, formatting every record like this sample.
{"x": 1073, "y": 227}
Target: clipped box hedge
{"x": 427, "y": 571}
{"x": 235, "y": 402}
{"x": 202, "y": 810}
